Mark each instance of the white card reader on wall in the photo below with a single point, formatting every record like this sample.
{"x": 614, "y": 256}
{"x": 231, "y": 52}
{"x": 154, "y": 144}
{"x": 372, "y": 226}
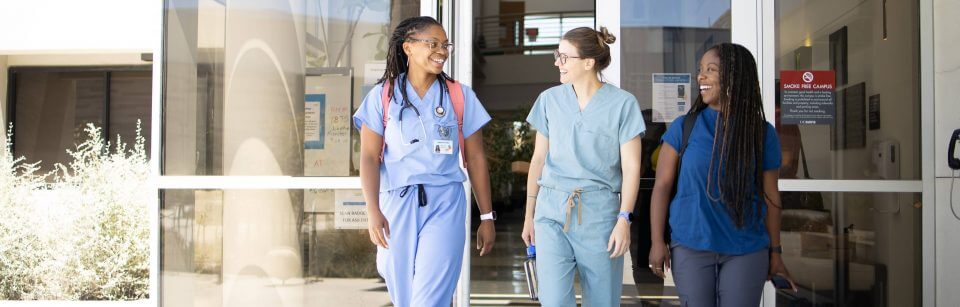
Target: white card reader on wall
{"x": 886, "y": 158}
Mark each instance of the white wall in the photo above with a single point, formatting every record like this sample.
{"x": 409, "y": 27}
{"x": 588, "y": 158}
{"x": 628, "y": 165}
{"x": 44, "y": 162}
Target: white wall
{"x": 946, "y": 40}
{"x": 68, "y": 26}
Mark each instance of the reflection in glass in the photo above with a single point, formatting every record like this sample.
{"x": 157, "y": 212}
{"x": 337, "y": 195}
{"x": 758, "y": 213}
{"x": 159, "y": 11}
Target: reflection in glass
{"x": 875, "y": 132}
{"x": 665, "y": 38}
{"x": 267, "y": 248}
{"x": 239, "y": 77}
{"x": 52, "y": 107}
{"x": 851, "y": 249}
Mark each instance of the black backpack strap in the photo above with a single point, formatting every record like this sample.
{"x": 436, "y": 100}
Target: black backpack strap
{"x": 688, "y": 122}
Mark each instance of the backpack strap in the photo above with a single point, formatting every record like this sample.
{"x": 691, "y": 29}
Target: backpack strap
{"x": 688, "y": 122}
{"x": 385, "y": 101}
{"x": 456, "y": 98}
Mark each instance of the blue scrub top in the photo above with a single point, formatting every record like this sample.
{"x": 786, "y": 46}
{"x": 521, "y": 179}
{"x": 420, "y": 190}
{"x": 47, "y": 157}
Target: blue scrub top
{"x": 408, "y": 164}
{"x": 698, "y": 222}
{"x": 585, "y": 146}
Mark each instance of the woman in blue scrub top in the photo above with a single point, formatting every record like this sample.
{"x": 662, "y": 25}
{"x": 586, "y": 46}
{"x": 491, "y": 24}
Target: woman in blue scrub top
{"x": 725, "y": 217}
{"x": 416, "y": 204}
{"x": 587, "y": 149}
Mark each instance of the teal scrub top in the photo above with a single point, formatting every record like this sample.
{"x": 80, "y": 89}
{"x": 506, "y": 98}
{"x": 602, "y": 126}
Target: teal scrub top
{"x": 585, "y": 145}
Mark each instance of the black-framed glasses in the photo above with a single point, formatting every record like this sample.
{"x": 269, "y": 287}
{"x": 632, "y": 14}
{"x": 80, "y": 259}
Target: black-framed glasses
{"x": 562, "y": 57}
{"x": 433, "y": 44}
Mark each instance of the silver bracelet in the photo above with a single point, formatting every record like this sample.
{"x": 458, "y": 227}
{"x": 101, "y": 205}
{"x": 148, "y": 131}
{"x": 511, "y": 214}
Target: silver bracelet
{"x": 532, "y": 196}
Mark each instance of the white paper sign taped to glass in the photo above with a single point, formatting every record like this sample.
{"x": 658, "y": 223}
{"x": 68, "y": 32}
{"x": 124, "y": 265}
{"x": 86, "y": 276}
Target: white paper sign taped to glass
{"x": 807, "y": 97}
{"x": 351, "y": 212}
{"x": 326, "y": 127}
{"x": 671, "y": 96}
{"x": 314, "y": 117}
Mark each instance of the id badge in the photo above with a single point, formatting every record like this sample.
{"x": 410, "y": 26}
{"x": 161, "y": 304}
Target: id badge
{"x": 443, "y": 147}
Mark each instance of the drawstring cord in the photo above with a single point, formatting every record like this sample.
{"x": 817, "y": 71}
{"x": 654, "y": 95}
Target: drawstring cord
{"x": 421, "y": 194}
{"x": 575, "y": 199}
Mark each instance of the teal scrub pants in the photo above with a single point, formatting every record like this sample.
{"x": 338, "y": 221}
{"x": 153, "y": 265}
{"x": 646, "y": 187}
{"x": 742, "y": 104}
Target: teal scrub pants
{"x": 422, "y": 265}
{"x": 589, "y": 216}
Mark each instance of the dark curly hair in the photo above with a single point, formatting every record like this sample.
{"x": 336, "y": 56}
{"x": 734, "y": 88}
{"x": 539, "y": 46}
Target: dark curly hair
{"x": 737, "y": 155}
{"x": 397, "y": 59}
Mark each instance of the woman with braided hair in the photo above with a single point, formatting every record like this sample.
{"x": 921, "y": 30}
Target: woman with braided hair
{"x": 725, "y": 217}
{"x": 413, "y": 124}
{"x": 584, "y": 175}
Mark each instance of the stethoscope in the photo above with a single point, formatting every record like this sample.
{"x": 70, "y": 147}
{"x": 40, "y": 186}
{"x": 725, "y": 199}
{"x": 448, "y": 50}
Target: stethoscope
{"x": 439, "y": 112}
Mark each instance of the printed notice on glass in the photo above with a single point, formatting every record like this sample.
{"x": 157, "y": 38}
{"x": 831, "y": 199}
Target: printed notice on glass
{"x": 807, "y": 97}
{"x": 350, "y": 210}
{"x": 326, "y": 127}
{"x": 313, "y": 120}
{"x": 671, "y": 96}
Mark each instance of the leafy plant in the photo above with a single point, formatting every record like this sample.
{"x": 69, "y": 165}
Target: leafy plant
{"x": 80, "y": 232}
{"x": 507, "y": 140}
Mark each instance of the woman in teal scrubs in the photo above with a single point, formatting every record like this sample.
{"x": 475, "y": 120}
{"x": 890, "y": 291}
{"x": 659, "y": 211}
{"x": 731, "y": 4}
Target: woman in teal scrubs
{"x": 587, "y": 148}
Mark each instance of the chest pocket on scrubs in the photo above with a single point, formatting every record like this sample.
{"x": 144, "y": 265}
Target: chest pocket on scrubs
{"x": 599, "y": 148}
{"x": 398, "y": 140}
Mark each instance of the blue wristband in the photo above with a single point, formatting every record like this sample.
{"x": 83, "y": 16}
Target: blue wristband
{"x": 626, "y": 215}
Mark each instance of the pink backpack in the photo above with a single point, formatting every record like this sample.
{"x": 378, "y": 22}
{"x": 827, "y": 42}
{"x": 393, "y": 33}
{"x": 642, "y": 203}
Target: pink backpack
{"x": 456, "y": 97}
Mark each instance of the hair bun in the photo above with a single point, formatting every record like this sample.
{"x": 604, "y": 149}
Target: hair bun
{"x": 605, "y": 36}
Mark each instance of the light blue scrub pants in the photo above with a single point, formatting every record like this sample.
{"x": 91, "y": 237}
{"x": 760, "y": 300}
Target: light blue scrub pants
{"x": 582, "y": 247}
{"x": 422, "y": 265}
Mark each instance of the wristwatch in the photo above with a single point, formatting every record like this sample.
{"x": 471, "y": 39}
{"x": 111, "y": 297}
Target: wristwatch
{"x": 776, "y": 249}
{"x": 627, "y": 215}
{"x": 489, "y": 216}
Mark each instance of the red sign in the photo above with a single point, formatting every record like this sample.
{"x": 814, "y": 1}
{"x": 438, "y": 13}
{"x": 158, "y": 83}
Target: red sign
{"x": 807, "y": 97}
{"x": 807, "y": 80}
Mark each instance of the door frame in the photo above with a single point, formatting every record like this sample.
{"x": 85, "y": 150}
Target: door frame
{"x": 753, "y": 25}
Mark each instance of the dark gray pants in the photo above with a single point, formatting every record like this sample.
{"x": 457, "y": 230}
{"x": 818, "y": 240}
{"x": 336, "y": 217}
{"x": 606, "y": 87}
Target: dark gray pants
{"x": 707, "y": 279}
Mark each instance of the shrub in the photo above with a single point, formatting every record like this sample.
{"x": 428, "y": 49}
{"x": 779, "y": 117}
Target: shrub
{"x": 80, "y": 232}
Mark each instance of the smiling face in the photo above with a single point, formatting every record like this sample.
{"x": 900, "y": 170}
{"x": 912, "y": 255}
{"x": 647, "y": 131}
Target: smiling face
{"x": 427, "y": 50}
{"x": 572, "y": 67}
{"x": 708, "y": 76}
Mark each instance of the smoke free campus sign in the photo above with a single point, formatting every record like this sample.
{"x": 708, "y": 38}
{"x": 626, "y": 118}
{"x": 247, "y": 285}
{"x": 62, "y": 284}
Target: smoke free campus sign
{"x": 807, "y": 97}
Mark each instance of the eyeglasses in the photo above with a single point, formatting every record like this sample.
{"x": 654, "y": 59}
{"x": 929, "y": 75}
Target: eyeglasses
{"x": 563, "y": 57}
{"x": 400, "y": 123}
{"x": 433, "y": 44}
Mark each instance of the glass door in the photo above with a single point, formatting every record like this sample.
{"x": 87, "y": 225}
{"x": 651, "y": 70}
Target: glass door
{"x": 658, "y": 48}
{"x": 849, "y": 182}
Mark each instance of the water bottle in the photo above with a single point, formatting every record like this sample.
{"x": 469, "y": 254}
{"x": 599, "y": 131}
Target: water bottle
{"x": 530, "y": 268}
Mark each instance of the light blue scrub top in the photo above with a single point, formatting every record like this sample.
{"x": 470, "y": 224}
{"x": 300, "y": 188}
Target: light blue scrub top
{"x": 585, "y": 146}
{"x": 417, "y": 163}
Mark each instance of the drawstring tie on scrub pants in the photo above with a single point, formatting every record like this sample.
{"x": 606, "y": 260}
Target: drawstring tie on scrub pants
{"x": 575, "y": 199}
{"x": 421, "y": 194}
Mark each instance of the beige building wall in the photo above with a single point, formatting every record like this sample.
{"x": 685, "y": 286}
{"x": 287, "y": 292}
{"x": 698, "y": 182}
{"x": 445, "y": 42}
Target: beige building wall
{"x": 946, "y": 41}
